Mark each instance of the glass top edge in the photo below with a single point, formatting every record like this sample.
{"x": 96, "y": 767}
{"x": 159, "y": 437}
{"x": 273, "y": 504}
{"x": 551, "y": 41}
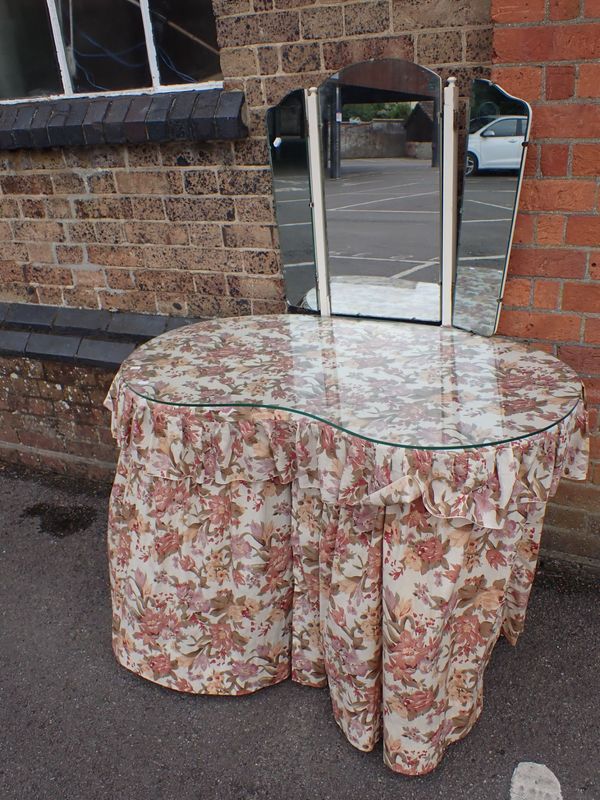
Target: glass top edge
{"x": 475, "y": 446}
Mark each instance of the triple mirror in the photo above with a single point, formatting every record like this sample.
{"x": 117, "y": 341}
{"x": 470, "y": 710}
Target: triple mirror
{"x": 380, "y": 188}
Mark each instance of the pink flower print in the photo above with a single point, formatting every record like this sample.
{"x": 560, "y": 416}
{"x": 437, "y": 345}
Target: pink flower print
{"x": 220, "y": 511}
{"x": 242, "y": 669}
{"x": 466, "y": 630}
{"x": 160, "y": 665}
{"x": 406, "y": 655}
{"x": 154, "y": 622}
{"x": 221, "y": 638}
{"x": 430, "y": 550}
{"x": 247, "y": 430}
{"x": 418, "y": 702}
{"x": 495, "y": 558}
{"x": 187, "y": 563}
{"x": 166, "y": 545}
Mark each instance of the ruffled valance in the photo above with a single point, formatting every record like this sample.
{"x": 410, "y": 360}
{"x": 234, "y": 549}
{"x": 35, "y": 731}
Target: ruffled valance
{"x": 223, "y": 445}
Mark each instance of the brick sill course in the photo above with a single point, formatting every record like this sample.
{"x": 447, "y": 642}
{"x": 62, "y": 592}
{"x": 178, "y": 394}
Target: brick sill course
{"x": 199, "y": 115}
{"x": 80, "y": 336}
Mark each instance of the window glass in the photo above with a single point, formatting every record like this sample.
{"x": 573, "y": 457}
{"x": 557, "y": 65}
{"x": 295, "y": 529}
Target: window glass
{"x": 105, "y": 44}
{"x": 504, "y": 127}
{"x": 185, "y": 38}
{"x": 28, "y": 65}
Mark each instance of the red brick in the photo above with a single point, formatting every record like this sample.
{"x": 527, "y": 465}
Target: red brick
{"x": 517, "y": 292}
{"x": 595, "y": 266}
{"x": 566, "y": 121}
{"x": 554, "y": 159}
{"x": 575, "y": 42}
{"x": 592, "y": 331}
{"x": 586, "y": 159}
{"x": 558, "y": 195}
{"x": 524, "y": 229}
{"x": 550, "y": 229}
{"x": 536, "y": 325}
{"x": 546, "y": 294}
{"x": 564, "y": 9}
{"x": 585, "y": 360}
{"x": 581, "y": 297}
{"x": 592, "y": 8}
{"x": 526, "y": 11}
{"x": 584, "y": 230}
{"x": 523, "y": 82}
{"x": 547, "y": 263}
{"x": 560, "y": 82}
{"x": 523, "y": 45}
{"x": 589, "y": 80}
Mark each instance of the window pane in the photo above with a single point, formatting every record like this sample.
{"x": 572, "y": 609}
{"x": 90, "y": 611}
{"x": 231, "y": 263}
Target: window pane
{"x": 105, "y": 43}
{"x": 28, "y": 65}
{"x": 185, "y": 37}
{"x": 506, "y": 127}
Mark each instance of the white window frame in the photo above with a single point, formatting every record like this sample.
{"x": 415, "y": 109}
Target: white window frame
{"x": 63, "y": 66}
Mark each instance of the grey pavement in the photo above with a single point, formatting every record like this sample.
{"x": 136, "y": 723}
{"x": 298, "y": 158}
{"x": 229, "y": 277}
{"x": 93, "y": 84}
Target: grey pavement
{"x": 76, "y": 726}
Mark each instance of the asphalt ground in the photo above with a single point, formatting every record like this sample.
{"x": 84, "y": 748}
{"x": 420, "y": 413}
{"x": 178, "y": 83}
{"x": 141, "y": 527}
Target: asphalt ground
{"x": 383, "y": 219}
{"x": 76, "y": 726}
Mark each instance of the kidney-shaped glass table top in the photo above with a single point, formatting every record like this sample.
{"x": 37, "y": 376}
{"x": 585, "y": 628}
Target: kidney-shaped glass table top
{"x": 400, "y": 384}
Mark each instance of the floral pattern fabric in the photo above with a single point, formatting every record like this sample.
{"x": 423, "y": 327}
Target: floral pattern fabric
{"x": 250, "y": 544}
{"x": 408, "y": 385}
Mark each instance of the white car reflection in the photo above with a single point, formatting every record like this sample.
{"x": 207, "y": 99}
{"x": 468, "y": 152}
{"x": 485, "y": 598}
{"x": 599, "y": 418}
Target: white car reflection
{"x": 495, "y": 145}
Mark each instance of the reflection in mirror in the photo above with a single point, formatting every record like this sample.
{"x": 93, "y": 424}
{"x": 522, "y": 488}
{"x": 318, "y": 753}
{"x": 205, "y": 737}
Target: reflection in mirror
{"x": 495, "y": 157}
{"x": 381, "y": 162}
{"x": 287, "y": 135}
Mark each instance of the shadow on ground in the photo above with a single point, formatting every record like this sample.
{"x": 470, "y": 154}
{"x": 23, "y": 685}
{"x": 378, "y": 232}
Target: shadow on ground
{"x": 74, "y": 725}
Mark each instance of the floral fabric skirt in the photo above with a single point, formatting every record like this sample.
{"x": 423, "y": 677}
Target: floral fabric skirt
{"x": 250, "y": 545}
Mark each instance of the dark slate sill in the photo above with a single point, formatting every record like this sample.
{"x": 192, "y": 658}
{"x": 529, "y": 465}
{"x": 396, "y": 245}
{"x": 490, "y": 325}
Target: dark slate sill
{"x": 128, "y": 119}
{"x": 79, "y": 336}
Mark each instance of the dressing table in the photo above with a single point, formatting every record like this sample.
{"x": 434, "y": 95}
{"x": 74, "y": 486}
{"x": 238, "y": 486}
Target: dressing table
{"x": 355, "y": 503}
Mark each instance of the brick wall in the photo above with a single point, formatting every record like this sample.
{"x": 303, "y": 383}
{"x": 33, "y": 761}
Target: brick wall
{"x": 547, "y": 52}
{"x": 51, "y": 417}
{"x": 181, "y": 229}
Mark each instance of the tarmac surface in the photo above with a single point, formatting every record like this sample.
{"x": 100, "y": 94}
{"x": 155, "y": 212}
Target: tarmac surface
{"x": 76, "y": 726}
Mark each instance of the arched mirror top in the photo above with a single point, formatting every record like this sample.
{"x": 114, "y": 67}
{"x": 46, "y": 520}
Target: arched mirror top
{"x": 390, "y": 76}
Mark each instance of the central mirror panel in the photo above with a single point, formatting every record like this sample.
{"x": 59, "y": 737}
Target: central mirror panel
{"x": 382, "y": 182}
